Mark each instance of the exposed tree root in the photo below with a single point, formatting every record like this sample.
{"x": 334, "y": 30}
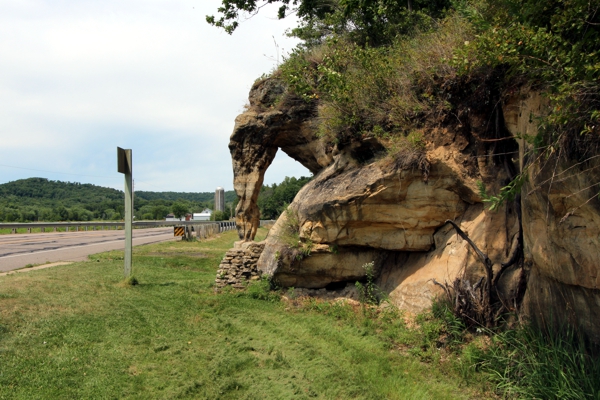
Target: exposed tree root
{"x": 480, "y": 303}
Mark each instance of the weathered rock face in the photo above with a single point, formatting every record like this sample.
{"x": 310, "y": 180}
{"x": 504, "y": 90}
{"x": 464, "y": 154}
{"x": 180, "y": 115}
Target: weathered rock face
{"x": 392, "y": 210}
{"x": 326, "y": 264}
{"x": 561, "y": 219}
{"x": 354, "y": 212}
{"x": 257, "y": 135}
{"x": 367, "y": 213}
{"x": 408, "y": 276}
{"x": 380, "y": 205}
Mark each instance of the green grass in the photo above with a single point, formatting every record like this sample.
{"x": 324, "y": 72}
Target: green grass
{"x": 7, "y": 231}
{"x": 82, "y": 331}
{"x": 526, "y": 363}
{"x": 78, "y": 332}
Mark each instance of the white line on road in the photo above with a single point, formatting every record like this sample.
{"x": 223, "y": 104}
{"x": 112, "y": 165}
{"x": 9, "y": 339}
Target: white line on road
{"x": 79, "y": 246}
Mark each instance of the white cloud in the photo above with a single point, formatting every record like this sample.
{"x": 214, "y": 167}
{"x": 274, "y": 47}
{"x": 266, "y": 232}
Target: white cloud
{"x": 79, "y": 78}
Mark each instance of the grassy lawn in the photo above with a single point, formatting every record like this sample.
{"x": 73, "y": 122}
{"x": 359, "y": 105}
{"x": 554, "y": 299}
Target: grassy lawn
{"x": 77, "y": 332}
{"x": 7, "y": 231}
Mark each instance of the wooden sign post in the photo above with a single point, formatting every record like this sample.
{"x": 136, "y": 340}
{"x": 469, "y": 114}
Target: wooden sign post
{"x": 125, "y": 166}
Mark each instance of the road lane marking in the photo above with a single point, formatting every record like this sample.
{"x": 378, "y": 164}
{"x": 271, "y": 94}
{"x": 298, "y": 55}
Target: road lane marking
{"x": 60, "y": 244}
{"x": 50, "y": 239}
{"x": 64, "y": 236}
{"x": 76, "y": 247}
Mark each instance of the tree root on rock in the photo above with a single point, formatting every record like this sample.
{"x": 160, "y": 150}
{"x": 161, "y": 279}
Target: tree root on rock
{"x": 480, "y": 303}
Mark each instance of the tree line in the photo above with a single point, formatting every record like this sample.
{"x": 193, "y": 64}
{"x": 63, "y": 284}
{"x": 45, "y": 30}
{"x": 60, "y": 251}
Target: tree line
{"x": 273, "y": 199}
{"x": 40, "y": 199}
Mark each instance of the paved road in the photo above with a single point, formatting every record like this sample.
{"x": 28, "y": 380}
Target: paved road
{"x": 17, "y": 251}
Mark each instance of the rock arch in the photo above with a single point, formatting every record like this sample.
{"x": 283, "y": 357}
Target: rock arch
{"x": 274, "y": 120}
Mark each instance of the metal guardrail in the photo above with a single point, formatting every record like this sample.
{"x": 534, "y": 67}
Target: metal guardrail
{"x": 266, "y": 222}
{"x": 86, "y": 225}
{"x": 63, "y": 225}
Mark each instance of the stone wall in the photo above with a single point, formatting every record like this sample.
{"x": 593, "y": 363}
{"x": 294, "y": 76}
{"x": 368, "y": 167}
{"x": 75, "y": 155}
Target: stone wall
{"x": 238, "y": 267}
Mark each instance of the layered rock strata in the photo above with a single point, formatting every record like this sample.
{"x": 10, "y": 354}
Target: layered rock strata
{"x": 561, "y": 220}
{"x": 366, "y": 206}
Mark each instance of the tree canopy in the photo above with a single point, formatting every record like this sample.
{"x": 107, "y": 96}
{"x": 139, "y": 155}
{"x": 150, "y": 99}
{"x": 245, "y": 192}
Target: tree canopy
{"x": 179, "y": 209}
{"x": 230, "y": 10}
{"x": 273, "y": 199}
{"x": 40, "y": 199}
{"x": 368, "y": 22}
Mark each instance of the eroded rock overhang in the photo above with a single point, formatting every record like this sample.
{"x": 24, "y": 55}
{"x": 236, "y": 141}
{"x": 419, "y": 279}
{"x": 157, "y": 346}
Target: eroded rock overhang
{"x": 385, "y": 210}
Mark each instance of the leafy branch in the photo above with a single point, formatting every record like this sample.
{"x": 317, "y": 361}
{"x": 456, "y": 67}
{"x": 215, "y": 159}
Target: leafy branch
{"x": 507, "y": 193}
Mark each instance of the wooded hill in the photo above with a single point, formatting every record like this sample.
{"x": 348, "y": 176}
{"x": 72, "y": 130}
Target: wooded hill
{"x": 187, "y": 196}
{"x": 40, "y": 199}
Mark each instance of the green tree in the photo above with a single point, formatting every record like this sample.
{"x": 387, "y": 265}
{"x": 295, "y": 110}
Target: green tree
{"x": 61, "y": 213}
{"x": 367, "y": 22}
{"x": 273, "y": 199}
{"x": 179, "y": 209}
{"x": 109, "y": 214}
{"x": 11, "y": 215}
{"x": 160, "y": 212}
{"x": 219, "y": 216}
{"x": 230, "y": 10}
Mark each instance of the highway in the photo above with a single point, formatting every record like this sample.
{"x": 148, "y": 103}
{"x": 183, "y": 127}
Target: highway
{"x": 17, "y": 251}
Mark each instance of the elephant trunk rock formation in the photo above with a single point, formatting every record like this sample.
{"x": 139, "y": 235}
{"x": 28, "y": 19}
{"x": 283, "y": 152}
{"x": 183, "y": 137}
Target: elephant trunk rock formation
{"x": 365, "y": 205}
{"x": 275, "y": 120}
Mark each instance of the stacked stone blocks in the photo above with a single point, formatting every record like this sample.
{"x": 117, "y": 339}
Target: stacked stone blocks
{"x": 238, "y": 267}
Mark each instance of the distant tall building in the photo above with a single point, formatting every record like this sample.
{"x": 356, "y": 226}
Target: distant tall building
{"x": 220, "y": 199}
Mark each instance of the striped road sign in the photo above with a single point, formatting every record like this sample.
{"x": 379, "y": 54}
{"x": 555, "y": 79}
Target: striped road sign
{"x": 178, "y": 231}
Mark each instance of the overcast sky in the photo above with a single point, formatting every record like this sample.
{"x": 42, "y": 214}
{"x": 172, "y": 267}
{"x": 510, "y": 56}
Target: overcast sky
{"x": 80, "y": 77}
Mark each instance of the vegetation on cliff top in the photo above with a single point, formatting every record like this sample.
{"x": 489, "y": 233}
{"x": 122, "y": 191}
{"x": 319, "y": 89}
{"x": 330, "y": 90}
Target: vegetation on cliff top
{"x": 383, "y": 67}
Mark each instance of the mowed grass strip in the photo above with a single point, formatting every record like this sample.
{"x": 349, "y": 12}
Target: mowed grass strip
{"x": 77, "y": 332}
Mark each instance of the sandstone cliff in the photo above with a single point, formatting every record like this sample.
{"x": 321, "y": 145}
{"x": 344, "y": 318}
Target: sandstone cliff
{"x": 366, "y": 205}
